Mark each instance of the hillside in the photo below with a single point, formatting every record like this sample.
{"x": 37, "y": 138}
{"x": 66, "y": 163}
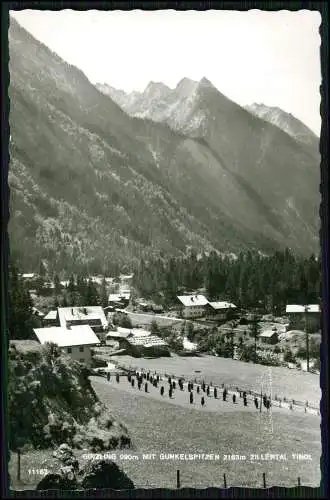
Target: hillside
{"x": 285, "y": 121}
{"x": 51, "y": 401}
{"x": 91, "y": 185}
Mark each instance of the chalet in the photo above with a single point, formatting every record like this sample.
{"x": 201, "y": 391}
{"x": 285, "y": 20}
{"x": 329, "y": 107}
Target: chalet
{"x": 77, "y": 341}
{"x": 89, "y": 315}
{"x": 192, "y": 306}
{"x": 304, "y": 316}
{"x": 269, "y": 337}
{"x": 220, "y": 311}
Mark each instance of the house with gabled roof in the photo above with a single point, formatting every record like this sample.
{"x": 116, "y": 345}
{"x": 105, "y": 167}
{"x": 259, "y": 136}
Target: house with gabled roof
{"x": 76, "y": 341}
{"x": 220, "y": 311}
{"x": 192, "y": 306}
{"x": 88, "y": 315}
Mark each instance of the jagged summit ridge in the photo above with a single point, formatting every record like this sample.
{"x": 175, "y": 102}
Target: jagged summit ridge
{"x": 285, "y": 121}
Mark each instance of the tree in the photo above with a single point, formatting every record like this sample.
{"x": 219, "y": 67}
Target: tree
{"x": 288, "y": 356}
{"x": 72, "y": 296}
{"x": 125, "y": 321}
{"x": 254, "y": 332}
{"x": 248, "y": 353}
{"x": 190, "y": 331}
{"x": 57, "y": 285}
{"x": 92, "y": 297}
{"x": 42, "y": 269}
{"x": 21, "y": 320}
{"x": 174, "y": 342}
{"x": 154, "y": 328}
{"x": 51, "y": 352}
{"x": 103, "y": 294}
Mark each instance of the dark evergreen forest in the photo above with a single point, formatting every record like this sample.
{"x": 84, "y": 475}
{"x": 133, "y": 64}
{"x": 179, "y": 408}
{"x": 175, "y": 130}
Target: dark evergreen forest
{"x": 251, "y": 280}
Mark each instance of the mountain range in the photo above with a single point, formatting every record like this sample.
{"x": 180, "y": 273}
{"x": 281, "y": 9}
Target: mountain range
{"x": 162, "y": 104}
{"x": 98, "y": 177}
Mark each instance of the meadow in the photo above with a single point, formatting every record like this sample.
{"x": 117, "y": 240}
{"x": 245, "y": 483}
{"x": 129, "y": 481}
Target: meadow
{"x": 157, "y": 425}
{"x": 292, "y": 384}
{"x": 160, "y": 427}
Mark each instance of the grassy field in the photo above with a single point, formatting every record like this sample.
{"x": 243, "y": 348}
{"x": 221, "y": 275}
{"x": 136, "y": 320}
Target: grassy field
{"x": 159, "y": 427}
{"x": 291, "y": 384}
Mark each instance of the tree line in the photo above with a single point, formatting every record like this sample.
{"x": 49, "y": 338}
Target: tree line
{"x": 79, "y": 292}
{"x": 250, "y": 280}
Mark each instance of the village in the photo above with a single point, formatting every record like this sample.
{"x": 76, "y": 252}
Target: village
{"x": 131, "y": 325}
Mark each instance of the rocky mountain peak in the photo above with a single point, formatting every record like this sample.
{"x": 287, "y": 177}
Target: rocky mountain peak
{"x": 285, "y": 121}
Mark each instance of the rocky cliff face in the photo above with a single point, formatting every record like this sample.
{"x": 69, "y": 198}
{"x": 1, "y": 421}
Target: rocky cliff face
{"x": 285, "y": 121}
{"x": 91, "y": 185}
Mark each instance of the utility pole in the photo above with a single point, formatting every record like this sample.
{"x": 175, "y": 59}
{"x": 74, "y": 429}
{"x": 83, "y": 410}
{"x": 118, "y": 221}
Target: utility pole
{"x": 307, "y": 337}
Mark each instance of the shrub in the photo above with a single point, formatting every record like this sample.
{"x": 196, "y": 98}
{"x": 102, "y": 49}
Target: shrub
{"x": 288, "y": 356}
{"x": 105, "y": 474}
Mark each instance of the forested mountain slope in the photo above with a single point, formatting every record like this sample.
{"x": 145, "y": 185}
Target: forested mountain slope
{"x": 91, "y": 185}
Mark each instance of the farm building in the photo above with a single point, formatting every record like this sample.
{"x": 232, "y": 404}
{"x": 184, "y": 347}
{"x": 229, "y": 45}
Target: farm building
{"x": 51, "y": 318}
{"x": 89, "y": 315}
{"x": 192, "y": 306}
{"x": 220, "y": 311}
{"x": 136, "y": 332}
{"x": 119, "y": 299}
{"x": 29, "y": 276}
{"x": 98, "y": 280}
{"x": 269, "y": 337}
{"x": 301, "y": 317}
{"x": 149, "y": 305}
{"x": 37, "y": 313}
{"x": 138, "y": 342}
{"x": 76, "y": 341}
{"x": 30, "y": 279}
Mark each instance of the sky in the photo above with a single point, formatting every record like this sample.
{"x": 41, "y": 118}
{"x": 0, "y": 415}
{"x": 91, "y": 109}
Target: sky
{"x": 271, "y": 58}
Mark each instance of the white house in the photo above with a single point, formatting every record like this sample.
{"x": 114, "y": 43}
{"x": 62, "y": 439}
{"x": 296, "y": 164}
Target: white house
{"x": 76, "y": 341}
{"x": 192, "y": 306}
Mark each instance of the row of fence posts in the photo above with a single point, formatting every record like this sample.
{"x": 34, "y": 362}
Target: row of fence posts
{"x": 178, "y": 481}
{"x": 291, "y": 402}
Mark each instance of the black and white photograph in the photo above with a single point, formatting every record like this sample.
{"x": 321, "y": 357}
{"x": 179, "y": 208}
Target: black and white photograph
{"x": 165, "y": 264}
